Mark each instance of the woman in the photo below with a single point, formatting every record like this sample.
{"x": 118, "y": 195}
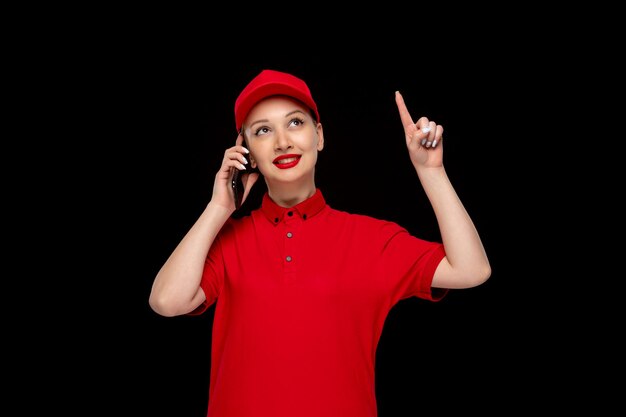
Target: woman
{"x": 302, "y": 290}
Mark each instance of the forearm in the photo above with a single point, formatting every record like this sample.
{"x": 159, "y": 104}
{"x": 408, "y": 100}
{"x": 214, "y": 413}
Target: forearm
{"x": 464, "y": 249}
{"x": 176, "y": 286}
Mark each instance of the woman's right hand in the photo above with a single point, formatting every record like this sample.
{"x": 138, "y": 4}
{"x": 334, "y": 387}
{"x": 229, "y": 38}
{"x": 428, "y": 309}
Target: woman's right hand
{"x": 234, "y": 159}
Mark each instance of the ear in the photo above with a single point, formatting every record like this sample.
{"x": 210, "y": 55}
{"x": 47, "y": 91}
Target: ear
{"x": 320, "y": 137}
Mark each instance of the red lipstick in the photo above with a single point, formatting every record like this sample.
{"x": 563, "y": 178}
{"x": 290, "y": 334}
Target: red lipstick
{"x": 286, "y": 161}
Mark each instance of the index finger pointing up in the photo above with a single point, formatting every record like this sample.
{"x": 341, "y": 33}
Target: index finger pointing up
{"x": 404, "y": 112}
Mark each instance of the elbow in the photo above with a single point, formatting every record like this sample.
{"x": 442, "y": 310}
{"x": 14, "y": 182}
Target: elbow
{"x": 163, "y": 306}
{"x": 480, "y": 275}
{"x": 474, "y": 276}
{"x": 462, "y": 276}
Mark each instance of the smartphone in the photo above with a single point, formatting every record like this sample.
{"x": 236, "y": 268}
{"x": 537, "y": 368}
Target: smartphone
{"x": 237, "y": 183}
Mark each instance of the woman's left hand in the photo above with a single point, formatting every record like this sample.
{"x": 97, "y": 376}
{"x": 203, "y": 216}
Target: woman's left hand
{"x": 423, "y": 138}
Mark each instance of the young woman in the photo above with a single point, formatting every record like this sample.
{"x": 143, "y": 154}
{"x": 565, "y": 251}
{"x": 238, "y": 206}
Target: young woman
{"x": 302, "y": 290}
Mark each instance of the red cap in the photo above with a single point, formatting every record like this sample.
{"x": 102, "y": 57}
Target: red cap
{"x": 271, "y": 83}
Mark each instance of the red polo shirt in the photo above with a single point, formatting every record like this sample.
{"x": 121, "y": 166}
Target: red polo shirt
{"x": 302, "y": 295}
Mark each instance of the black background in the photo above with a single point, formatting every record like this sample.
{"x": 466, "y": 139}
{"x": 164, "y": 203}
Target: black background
{"x": 162, "y": 116}
{"x": 120, "y": 117}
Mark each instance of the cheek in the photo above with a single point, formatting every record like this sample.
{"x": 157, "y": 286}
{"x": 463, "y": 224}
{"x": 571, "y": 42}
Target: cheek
{"x": 259, "y": 154}
{"x": 310, "y": 143}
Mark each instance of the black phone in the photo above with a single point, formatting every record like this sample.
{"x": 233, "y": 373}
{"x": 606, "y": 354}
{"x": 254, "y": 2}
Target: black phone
{"x": 237, "y": 183}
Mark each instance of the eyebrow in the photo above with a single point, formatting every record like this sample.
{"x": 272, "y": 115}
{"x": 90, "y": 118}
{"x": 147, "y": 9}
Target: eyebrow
{"x": 267, "y": 120}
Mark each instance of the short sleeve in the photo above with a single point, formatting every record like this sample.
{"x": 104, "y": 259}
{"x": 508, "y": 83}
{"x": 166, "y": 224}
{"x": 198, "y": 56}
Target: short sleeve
{"x": 410, "y": 263}
{"x": 212, "y": 277}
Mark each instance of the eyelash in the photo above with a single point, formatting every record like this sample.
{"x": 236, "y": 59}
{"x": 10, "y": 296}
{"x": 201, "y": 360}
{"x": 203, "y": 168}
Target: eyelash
{"x": 298, "y": 119}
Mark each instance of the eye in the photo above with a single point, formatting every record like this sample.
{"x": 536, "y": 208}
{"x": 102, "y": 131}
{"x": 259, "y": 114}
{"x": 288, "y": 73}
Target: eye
{"x": 296, "y": 121}
{"x": 261, "y": 131}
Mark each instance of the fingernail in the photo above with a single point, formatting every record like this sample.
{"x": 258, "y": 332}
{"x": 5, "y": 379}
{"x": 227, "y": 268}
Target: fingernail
{"x": 245, "y": 161}
{"x": 426, "y": 129}
{"x": 423, "y": 141}
{"x": 434, "y": 143}
{"x": 246, "y": 149}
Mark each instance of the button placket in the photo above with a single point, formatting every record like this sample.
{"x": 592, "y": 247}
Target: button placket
{"x": 292, "y": 224}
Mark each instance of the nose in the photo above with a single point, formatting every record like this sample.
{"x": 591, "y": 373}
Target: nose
{"x": 283, "y": 141}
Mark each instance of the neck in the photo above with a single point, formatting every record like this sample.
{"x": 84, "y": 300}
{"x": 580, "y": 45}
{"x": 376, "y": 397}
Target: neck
{"x": 290, "y": 195}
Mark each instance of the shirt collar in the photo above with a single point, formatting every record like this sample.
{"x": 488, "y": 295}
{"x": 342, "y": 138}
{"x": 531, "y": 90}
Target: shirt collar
{"x": 306, "y": 209}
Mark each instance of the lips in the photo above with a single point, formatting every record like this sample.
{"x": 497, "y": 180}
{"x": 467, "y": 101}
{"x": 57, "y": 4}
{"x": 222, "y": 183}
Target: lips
{"x": 287, "y": 161}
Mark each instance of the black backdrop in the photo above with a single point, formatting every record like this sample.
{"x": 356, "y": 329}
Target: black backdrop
{"x": 121, "y": 119}
{"x": 168, "y": 117}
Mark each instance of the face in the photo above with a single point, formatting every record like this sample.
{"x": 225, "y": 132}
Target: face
{"x": 283, "y": 140}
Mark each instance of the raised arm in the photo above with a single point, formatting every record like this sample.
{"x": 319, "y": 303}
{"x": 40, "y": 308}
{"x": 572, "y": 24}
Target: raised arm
{"x": 466, "y": 264}
{"x": 176, "y": 288}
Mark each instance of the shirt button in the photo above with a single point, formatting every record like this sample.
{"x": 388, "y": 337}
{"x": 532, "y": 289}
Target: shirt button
{"x": 290, "y": 213}
{"x": 288, "y": 258}
{"x": 289, "y": 234}
{"x": 276, "y": 220}
{"x": 304, "y": 216}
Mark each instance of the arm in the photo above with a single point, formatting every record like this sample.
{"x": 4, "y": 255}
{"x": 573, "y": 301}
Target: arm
{"x": 176, "y": 289}
{"x": 465, "y": 264}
